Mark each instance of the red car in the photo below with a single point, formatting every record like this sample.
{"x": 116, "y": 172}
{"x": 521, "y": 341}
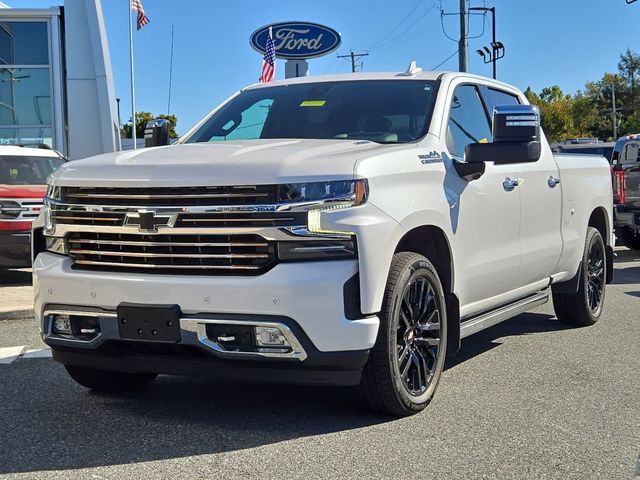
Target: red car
{"x": 23, "y": 184}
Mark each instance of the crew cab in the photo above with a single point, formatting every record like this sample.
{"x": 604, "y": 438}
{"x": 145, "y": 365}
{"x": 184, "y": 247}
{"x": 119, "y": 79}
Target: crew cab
{"x": 626, "y": 190}
{"x": 343, "y": 230}
{"x": 23, "y": 178}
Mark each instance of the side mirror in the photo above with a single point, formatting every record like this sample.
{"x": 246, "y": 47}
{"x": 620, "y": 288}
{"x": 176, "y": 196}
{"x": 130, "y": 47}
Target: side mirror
{"x": 156, "y": 133}
{"x": 516, "y": 137}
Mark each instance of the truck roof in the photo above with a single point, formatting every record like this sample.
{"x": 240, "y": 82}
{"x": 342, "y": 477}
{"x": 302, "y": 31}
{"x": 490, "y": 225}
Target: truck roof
{"x": 425, "y": 75}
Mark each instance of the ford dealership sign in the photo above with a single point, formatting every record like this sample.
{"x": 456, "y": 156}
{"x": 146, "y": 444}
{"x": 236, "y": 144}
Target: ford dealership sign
{"x": 297, "y": 40}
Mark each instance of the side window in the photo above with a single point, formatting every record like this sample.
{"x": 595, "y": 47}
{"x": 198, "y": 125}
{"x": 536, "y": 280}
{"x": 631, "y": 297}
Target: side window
{"x": 468, "y": 122}
{"x": 495, "y": 98}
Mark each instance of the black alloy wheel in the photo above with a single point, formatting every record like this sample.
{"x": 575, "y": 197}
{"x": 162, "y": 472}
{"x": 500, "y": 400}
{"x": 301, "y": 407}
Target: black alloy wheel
{"x": 596, "y": 276}
{"x": 584, "y": 307}
{"x": 406, "y": 361}
{"x": 418, "y": 336}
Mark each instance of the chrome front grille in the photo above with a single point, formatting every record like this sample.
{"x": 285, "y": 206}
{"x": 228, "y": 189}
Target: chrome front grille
{"x": 163, "y": 197}
{"x": 176, "y": 254}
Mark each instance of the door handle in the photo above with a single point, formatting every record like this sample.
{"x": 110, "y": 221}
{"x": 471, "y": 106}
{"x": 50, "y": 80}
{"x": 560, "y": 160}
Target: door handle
{"x": 553, "y": 181}
{"x": 509, "y": 184}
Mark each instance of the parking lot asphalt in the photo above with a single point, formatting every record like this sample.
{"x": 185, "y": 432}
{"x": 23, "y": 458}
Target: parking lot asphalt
{"x": 529, "y": 398}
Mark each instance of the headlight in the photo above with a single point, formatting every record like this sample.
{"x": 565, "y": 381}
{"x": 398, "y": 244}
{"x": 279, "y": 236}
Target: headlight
{"x": 329, "y": 196}
{"x": 341, "y": 190}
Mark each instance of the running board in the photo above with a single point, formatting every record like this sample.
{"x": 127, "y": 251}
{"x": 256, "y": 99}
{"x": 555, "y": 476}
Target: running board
{"x": 489, "y": 319}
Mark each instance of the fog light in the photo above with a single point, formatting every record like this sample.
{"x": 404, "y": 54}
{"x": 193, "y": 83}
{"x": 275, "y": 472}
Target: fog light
{"x": 270, "y": 337}
{"x": 62, "y": 324}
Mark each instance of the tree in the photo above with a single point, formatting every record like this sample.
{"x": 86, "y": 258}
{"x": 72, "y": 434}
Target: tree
{"x": 556, "y": 112}
{"x": 628, "y": 66}
{"x": 142, "y": 118}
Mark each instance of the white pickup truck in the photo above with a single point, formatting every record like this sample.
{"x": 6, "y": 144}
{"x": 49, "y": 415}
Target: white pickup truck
{"x": 345, "y": 230}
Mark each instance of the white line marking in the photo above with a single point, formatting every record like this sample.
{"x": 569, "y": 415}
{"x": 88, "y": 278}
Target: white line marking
{"x": 38, "y": 353}
{"x": 9, "y": 354}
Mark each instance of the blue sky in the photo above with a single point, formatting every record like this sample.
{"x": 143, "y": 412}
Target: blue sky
{"x": 563, "y": 42}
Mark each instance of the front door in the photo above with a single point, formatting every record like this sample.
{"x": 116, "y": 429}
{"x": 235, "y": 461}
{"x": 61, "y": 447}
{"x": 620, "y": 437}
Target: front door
{"x": 485, "y": 213}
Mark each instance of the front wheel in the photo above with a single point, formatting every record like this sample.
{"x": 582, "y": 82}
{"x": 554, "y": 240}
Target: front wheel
{"x": 585, "y": 306}
{"x": 404, "y": 366}
{"x": 108, "y": 380}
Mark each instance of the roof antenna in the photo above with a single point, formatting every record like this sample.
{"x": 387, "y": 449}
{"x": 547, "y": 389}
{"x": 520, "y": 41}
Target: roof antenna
{"x": 412, "y": 70}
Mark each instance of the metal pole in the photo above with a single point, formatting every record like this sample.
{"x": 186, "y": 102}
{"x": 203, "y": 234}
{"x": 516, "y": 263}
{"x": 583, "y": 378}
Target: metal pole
{"x": 133, "y": 94}
{"x": 170, "y": 74}
{"x": 353, "y": 62}
{"x": 613, "y": 114}
{"x": 462, "y": 44}
{"x": 495, "y": 51}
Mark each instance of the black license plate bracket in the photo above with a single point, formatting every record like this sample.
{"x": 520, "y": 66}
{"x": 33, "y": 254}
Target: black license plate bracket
{"x": 149, "y": 323}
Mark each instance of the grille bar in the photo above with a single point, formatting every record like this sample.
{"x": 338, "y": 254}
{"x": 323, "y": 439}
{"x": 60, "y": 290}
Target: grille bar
{"x": 168, "y": 267}
{"x": 209, "y": 254}
{"x": 110, "y": 253}
{"x": 163, "y": 197}
{"x": 167, "y": 244}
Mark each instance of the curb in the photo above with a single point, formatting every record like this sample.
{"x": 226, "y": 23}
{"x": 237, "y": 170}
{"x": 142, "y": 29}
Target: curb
{"x": 24, "y": 314}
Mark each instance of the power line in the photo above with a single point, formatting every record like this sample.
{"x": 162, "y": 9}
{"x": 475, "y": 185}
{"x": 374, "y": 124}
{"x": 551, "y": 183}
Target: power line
{"x": 397, "y": 26}
{"x": 406, "y": 30}
{"x": 354, "y": 56}
{"x": 445, "y": 60}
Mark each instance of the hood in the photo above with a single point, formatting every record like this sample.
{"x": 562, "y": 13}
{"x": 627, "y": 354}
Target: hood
{"x": 22, "y": 191}
{"x": 248, "y": 162}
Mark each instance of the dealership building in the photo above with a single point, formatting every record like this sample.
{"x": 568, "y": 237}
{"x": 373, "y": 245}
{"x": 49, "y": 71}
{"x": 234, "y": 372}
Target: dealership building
{"x": 56, "y": 85}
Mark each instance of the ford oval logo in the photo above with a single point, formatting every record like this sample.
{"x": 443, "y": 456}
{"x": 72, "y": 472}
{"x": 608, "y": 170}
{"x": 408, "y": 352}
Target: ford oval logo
{"x": 297, "y": 40}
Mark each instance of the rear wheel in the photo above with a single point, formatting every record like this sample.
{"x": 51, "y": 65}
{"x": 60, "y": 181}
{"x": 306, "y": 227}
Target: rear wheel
{"x": 629, "y": 238}
{"x": 585, "y": 306}
{"x": 405, "y": 363}
{"x": 108, "y": 380}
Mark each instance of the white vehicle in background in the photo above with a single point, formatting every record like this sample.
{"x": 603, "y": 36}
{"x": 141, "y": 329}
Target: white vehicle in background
{"x": 345, "y": 230}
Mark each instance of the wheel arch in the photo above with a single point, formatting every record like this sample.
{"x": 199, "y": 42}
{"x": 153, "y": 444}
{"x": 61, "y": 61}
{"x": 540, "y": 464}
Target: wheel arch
{"x": 432, "y": 242}
{"x": 600, "y": 221}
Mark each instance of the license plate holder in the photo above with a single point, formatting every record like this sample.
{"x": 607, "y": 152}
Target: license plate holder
{"x": 149, "y": 323}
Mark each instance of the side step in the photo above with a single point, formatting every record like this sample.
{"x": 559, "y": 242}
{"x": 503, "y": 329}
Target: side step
{"x": 489, "y": 319}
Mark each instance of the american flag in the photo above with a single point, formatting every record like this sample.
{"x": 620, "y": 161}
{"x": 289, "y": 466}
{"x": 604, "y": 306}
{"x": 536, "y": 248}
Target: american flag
{"x": 269, "y": 61}
{"x": 142, "y": 19}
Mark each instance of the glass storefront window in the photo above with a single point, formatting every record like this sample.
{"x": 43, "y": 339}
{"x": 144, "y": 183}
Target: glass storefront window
{"x": 25, "y": 96}
{"x": 26, "y": 136}
{"x": 24, "y": 43}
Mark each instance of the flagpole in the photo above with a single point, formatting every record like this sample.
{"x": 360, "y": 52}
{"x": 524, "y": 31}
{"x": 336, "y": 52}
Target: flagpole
{"x": 133, "y": 94}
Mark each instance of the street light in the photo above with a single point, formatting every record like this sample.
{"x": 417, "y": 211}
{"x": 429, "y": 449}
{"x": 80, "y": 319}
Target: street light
{"x": 629, "y": 2}
{"x": 497, "y": 48}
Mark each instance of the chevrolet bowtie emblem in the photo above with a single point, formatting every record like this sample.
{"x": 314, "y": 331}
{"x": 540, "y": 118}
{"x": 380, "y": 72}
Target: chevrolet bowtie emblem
{"x": 149, "y": 221}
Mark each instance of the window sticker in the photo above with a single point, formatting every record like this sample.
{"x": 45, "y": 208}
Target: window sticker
{"x": 313, "y": 103}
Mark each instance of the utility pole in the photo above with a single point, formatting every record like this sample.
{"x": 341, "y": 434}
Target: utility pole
{"x": 613, "y": 111}
{"x": 462, "y": 44}
{"x": 354, "y": 57}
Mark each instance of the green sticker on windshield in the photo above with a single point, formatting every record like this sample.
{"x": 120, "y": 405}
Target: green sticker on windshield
{"x": 313, "y": 103}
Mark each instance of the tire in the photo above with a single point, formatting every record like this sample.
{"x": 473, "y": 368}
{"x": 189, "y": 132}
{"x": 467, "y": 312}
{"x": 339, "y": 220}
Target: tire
{"x": 629, "y": 238}
{"x": 109, "y": 381}
{"x": 585, "y": 306}
{"x": 411, "y": 342}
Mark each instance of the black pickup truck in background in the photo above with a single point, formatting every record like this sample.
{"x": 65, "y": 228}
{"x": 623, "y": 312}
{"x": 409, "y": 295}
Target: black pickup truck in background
{"x": 625, "y": 169}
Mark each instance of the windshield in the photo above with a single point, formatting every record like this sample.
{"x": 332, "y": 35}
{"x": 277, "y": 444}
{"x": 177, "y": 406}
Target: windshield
{"x": 19, "y": 170}
{"x": 383, "y": 111}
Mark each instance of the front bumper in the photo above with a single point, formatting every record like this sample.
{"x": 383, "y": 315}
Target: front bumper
{"x": 15, "y": 249}
{"x": 305, "y": 298}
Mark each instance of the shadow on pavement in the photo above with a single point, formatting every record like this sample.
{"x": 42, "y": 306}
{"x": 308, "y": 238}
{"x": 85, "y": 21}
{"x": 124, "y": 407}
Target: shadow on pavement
{"x": 50, "y": 423}
{"x": 15, "y": 278}
{"x": 625, "y": 255}
{"x": 525, "y": 324}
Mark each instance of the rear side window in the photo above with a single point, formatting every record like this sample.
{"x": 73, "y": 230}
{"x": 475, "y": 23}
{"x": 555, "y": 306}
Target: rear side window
{"x": 468, "y": 122}
{"x": 495, "y": 98}
{"x": 19, "y": 170}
